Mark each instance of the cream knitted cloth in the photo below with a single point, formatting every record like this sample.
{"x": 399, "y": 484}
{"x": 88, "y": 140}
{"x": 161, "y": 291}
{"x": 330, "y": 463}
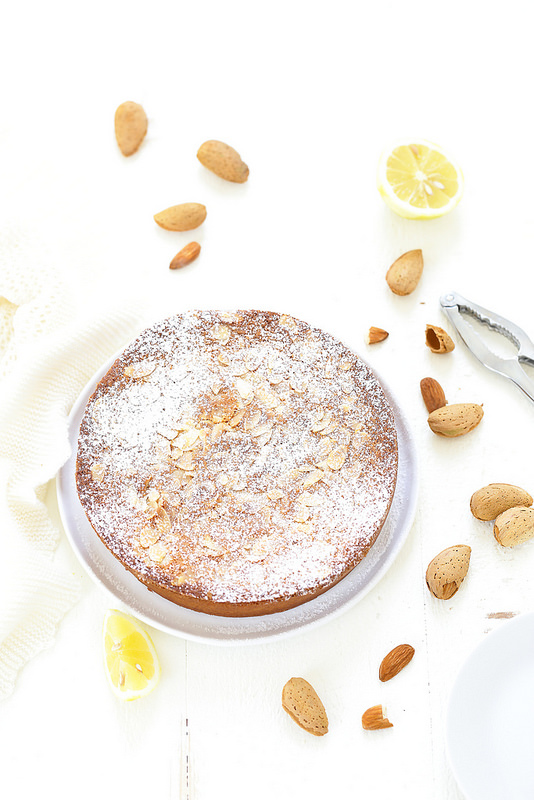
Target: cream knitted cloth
{"x": 47, "y": 354}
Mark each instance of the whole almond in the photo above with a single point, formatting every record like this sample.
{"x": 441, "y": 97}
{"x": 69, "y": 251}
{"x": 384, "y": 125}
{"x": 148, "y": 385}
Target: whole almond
{"x": 514, "y": 526}
{"x": 403, "y": 275}
{"x": 433, "y": 395}
{"x": 186, "y": 256}
{"x": 374, "y": 718}
{"x": 303, "y": 705}
{"x": 223, "y": 160}
{"x": 376, "y": 335}
{"x": 438, "y": 340}
{"x": 447, "y": 570}
{"x": 131, "y": 125}
{"x": 455, "y": 420}
{"x": 183, "y": 217}
{"x": 395, "y": 661}
{"x": 495, "y": 498}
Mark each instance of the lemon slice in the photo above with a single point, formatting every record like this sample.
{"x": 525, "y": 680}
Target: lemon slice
{"x": 418, "y": 180}
{"x": 131, "y": 661}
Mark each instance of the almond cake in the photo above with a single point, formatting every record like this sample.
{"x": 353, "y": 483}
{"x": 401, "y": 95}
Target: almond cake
{"x": 237, "y": 463}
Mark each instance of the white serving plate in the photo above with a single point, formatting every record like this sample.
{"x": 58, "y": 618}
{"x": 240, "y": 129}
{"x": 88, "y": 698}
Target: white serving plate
{"x": 490, "y": 718}
{"x": 104, "y": 568}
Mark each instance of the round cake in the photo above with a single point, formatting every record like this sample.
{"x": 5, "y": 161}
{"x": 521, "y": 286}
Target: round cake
{"x": 237, "y": 463}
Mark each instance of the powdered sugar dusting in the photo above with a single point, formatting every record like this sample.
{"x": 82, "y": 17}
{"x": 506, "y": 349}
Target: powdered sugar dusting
{"x": 237, "y": 456}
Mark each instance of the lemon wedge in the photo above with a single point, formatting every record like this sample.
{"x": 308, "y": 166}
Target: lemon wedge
{"x": 418, "y": 180}
{"x": 130, "y": 658}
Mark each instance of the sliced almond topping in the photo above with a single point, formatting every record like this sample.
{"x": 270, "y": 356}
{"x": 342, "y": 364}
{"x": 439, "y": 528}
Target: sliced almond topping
{"x": 157, "y": 552}
{"x": 275, "y": 494}
{"x": 220, "y": 332}
{"x": 188, "y": 440}
{"x": 244, "y": 387}
{"x": 218, "y": 430}
{"x": 186, "y": 461}
{"x": 287, "y": 321}
{"x": 141, "y": 369}
{"x": 336, "y": 458}
{"x": 267, "y": 397}
{"x": 308, "y": 499}
{"x": 97, "y": 472}
{"x": 234, "y": 422}
{"x": 329, "y": 429}
{"x": 322, "y": 424}
{"x": 252, "y": 421}
{"x": 302, "y": 514}
{"x": 223, "y": 359}
{"x": 312, "y": 478}
{"x": 149, "y": 536}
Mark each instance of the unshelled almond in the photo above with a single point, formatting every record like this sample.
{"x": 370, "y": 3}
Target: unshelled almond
{"x": 403, "y": 275}
{"x": 433, "y": 394}
{"x": 131, "y": 125}
{"x": 395, "y": 661}
{"x": 455, "y": 420}
{"x": 374, "y": 718}
{"x": 303, "y": 705}
{"x": 514, "y": 526}
{"x": 495, "y": 498}
{"x": 186, "y": 256}
{"x": 376, "y": 335}
{"x": 183, "y": 217}
{"x": 438, "y": 340}
{"x": 223, "y": 160}
{"x": 447, "y": 570}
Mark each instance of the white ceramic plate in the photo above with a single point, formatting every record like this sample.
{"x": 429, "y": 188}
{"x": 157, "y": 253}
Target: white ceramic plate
{"x": 490, "y": 720}
{"x": 104, "y": 568}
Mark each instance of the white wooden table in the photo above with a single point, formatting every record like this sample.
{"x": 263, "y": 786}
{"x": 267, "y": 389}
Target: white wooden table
{"x": 309, "y": 94}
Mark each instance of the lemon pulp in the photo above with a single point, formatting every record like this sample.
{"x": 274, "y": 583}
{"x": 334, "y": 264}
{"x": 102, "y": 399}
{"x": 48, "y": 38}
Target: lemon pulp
{"x": 131, "y": 660}
{"x": 418, "y": 180}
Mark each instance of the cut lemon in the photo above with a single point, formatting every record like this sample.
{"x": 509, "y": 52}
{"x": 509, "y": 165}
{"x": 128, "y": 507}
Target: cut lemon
{"x": 418, "y": 180}
{"x": 131, "y": 661}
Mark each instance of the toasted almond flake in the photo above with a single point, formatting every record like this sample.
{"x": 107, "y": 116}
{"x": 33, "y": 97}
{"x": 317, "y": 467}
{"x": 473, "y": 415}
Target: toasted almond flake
{"x": 336, "y": 458}
{"x": 97, "y": 472}
{"x": 223, "y": 479}
{"x": 302, "y": 514}
{"x": 267, "y": 397}
{"x": 238, "y": 484}
{"x": 312, "y": 478}
{"x": 287, "y": 321}
{"x": 218, "y": 430}
{"x": 220, "y": 332}
{"x": 308, "y": 499}
{"x": 157, "y": 552}
{"x": 345, "y": 366}
{"x": 244, "y": 387}
{"x": 322, "y": 423}
{"x": 141, "y": 369}
{"x": 216, "y": 387}
{"x": 329, "y": 429}
{"x": 275, "y": 494}
{"x": 299, "y": 385}
{"x": 186, "y": 461}
{"x": 229, "y": 316}
{"x": 262, "y": 440}
{"x": 188, "y": 440}
{"x": 223, "y": 359}
{"x": 252, "y": 361}
{"x": 260, "y": 430}
{"x": 149, "y": 536}
{"x": 252, "y": 421}
{"x": 234, "y": 422}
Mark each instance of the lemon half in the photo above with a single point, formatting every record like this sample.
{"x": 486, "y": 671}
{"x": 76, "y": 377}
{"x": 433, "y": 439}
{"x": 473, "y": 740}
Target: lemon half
{"x": 418, "y": 180}
{"x": 130, "y": 658}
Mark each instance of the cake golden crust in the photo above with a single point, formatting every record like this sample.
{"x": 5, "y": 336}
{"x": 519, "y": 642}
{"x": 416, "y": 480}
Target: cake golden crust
{"x": 237, "y": 463}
